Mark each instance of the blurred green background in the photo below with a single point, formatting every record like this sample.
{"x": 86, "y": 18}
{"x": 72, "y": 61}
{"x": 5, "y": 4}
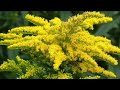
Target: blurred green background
{"x": 11, "y": 19}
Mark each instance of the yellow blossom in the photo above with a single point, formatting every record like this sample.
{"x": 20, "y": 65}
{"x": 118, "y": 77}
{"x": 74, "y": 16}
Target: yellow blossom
{"x": 88, "y": 19}
{"x": 10, "y": 65}
{"x": 10, "y": 36}
{"x": 87, "y": 67}
{"x": 36, "y": 20}
{"x": 54, "y": 41}
{"x": 59, "y": 58}
{"x": 56, "y": 55}
{"x": 28, "y": 30}
{"x": 55, "y": 21}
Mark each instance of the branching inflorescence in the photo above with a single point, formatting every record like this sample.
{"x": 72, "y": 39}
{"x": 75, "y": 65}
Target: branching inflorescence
{"x": 60, "y": 44}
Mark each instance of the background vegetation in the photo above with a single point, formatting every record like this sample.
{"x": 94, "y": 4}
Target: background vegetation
{"x": 11, "y": 19}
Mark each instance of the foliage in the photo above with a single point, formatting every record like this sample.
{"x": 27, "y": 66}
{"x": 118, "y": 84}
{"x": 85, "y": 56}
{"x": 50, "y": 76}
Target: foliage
{"x": 59, "y": 49}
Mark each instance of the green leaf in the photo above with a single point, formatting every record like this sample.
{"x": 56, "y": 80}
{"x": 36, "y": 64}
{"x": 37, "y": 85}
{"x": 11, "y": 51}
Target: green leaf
{"x": 12, "y": 54}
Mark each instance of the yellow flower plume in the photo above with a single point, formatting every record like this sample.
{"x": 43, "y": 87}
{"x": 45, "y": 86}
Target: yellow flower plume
{"x": 58, "y": 41}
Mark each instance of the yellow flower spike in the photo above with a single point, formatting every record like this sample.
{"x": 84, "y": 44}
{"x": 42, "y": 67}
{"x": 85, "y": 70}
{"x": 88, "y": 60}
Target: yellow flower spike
{"x": 88, "y": 23}
{"x": 106, "y": 47}
{"x": 102, "y": 39}
{"x": 82, "y": 37}
{"x": 10, "y": 36}
{"x": 42, "y": 47}
{"x": 36, "y": 20}
{"x": 113, "y": 49}
{"x": 55, "y": 21}
{"x": 93, "y": 14}
{"x": 56, "y": 55}
{"x": 70, "y": 51}
{"x": 86, "y": 58}
{"x": 59, "y": 58}
{"x": 50, "y": 38}
{"x": 28, "y": 30}
{"x": 88, "y": 19}
{"x": 108, "y": 58}
{"x": 10, "y": 65}
{"x": 95, "y": 51}
{"x": 109, "y": 74}
{"x": 10, "y": 41}
{"x": 25, "y": 44}
{"x": 98, "y": 69}
{"x": 47, "y": 27}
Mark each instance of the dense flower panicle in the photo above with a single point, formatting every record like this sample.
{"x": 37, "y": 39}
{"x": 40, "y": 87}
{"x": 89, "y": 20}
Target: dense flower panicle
{"x": 58, "y": 42}
{"x": 56, "y": 55}
{"x": 19, "y": 66}
{"x": 108, "y": 58}
{"x": 36, "y": 20}
{"x": 10, "y": 66}
{"x": 23, "y": 63}
{"x": 88, "y": 19}
{"x": 9, "y": 41}
{"x": 109, "y": 74}
{"x": 25, "y": 44}
{"x": 95, "y": 51}
{"x": 88, "y": 23}
{"x": 86, "y": 57}
{"x": 106, "y": 47}
{"x": 70, "y": 52}
{"x": 102, "y": 39}
{"x": 59, "y": 58}
{"x": 29, "y": 30}
{"x": 10, "y": 36}
{"x": 82, "y": 37}
{"x": 87, "y": 67}
{"x": 42, "y": 48}
{"x": 56, "y": 21}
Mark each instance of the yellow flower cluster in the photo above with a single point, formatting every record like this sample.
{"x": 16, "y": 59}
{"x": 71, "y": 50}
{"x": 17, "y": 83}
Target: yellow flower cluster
{"x": 57, "y": 55}
{"x": 55, "y": 21}
{"x": 87, "y": 19}
{"x": 31, "y": 70}
{"x": 86, "y": 67}
{"x": 28, "y": 30}
{"x": 36, "y": 20}
{"x": 60, "y": 41}
{"x": 91, "y": 77}
{"x": 10, "y": 66}
{"x": 10, "y": 36}
{"x": 19, "y": 66}
{"x": 59, "y": 75}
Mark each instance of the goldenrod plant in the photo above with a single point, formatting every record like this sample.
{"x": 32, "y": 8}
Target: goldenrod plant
{"x": 60, "y": 49}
